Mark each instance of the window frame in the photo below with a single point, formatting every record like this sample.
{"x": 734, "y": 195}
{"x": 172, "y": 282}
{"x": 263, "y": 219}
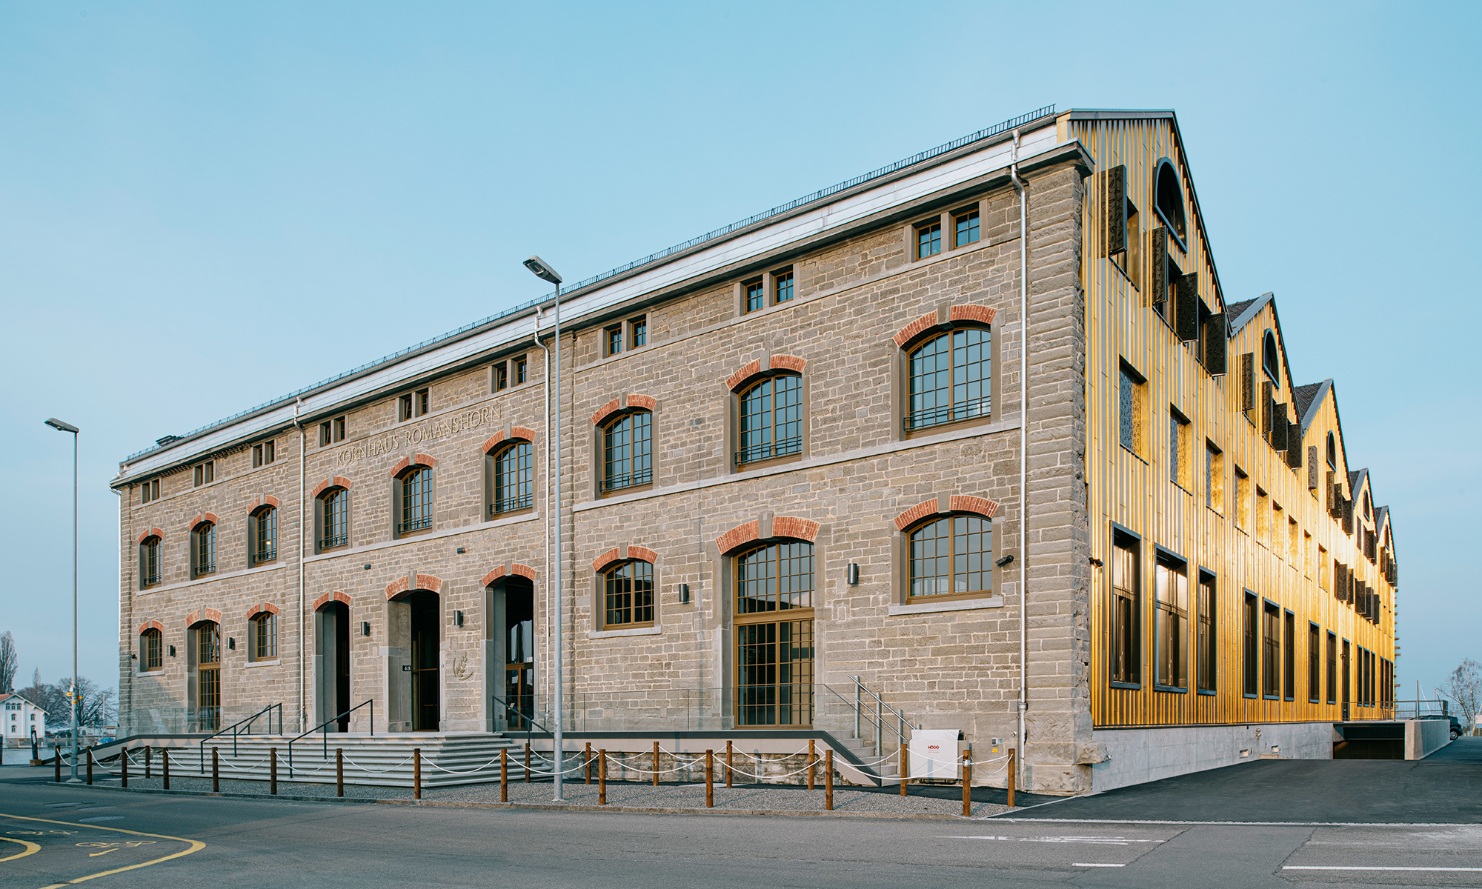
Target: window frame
{"x": 150, "y": 556}
{"x": 264, "y": 453}
{"x": 928, "y": 231}
{"x": 149, "y": 491}
{"x": 204, "y": 473}
{"x": 1129, "y": 646}
{"x": 332, "y": 431}
{"x": 256, "y": 555}
{"x": 203, "y": 554}
{"x": 907, "y": 539}
{"x": 906, "y": 377}
{"x": 1289, "y": 655}
{"x": 1180, "y": 450}
{"x": 414, "y": 405}
{"x": 151, "y": 651}
{"x": 973, "y": 213}
{"x": 761, "y": 292}
{"x": 1171, "y": 622}
{"x": 619, "y": 337}
{"x": 637, "y": 480}
{"x": 323, "y": 542}
{"x": 1251, "y": 646}
{"x": 1207, "y": 646}
{"x": 1270, "y": 650}
{"x": 740, "y": 460}
{"x": 413, "y": 512}
{"x": 1132, "y": 413}
{"x": 525, "y": 479}
{"x": 605, "y": 592}
{"x": 1214, "y": 477}
{"x": 1177, "y": 227}
{"x": 262, "y": 627}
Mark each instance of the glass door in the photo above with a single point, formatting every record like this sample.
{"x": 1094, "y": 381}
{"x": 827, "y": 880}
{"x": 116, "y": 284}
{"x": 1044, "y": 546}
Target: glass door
{"x": 208, "y": 677}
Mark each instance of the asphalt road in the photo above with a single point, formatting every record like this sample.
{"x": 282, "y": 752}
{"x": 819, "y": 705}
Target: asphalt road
{"x": 55, "y": 834}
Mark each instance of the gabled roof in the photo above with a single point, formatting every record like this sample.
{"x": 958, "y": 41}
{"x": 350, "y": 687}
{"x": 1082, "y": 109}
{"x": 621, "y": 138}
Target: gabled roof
{"x": 1356, "y": 479}
{"x": 8, "y": 695}
{"x": 1304, "y": 397}
{"x": 1235, "y": 311}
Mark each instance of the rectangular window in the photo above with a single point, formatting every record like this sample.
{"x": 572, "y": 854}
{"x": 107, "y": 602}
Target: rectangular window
{"x": 782, "y": 286}
{"x": 1271, "y": 652}
{"x": 756, "y": 295}
{"x": 638, "y": 332}
{"x": 205, "y": 473}
{"x": 522, "y": 370}
{"x": 1180, "y": 468}
{"x": 1130, "y": 409}
{"x": 614, "y": 339}
{"x": 1242, "y": 500}
{"x": 1208, "y": 642}
{"x": 332, "y": 431}
{"x": 152, "y": 656}
{"x": 1214, "y": 477}
{"x": 1170, "y": 623}
{"x": 499, "y": 378}
{"x": 1263, "y": 516}
{"x": 1323, "y": 577}
{"x": 264, "y": 643}
{"x": 149, "y": 491}
{"x": 1314, "y": 663}
{"x": 413, "y": 404}
{"x": 1289, "y": 662}
{"x": 1125, "y": 611}
{"x": 1278, "y": 529}
{"x": 1293, "y": 542}
{"x": 965, "y": 228}
{"x": 928, "y": 239}
{"x": 263, "y": 454}
{"x": 1252, "y": 646}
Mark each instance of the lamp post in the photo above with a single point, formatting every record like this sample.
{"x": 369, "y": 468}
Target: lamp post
{"x": 544, "y": 272}
{"x": 61, "y": 426}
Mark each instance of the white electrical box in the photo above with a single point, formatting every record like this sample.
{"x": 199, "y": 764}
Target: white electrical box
{"x": 933, "y": 754}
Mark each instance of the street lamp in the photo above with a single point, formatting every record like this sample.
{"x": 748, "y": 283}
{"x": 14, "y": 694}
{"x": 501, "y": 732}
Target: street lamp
{"x": 549, "y": 274}
{"x": 62, "y": 426}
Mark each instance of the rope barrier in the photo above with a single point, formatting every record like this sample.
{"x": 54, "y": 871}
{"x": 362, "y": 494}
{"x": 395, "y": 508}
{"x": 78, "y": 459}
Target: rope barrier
{"x": 377, "y": 771}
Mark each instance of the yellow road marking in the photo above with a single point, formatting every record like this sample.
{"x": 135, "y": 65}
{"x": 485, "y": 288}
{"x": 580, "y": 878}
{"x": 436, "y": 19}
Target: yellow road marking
{"x": 30, "y": 849}
{"x": 195, "y": 846}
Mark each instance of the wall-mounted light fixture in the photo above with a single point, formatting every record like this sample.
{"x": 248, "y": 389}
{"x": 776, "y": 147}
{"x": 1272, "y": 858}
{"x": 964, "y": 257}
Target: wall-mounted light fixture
{"x": 231, "y": 643}
{"x": 461, "y": 550}
{"x": 852, "y": 575}
{"x": 457, "y": 618}
{"x": 684, "y": 594}
{"x": 1095, "y": 562}
{"x": 367, "y": 566}
{"x": 364, "y": 628}
{"x": 133, "y": 657}
{"x": 172, "y": 651}
{"x": 1006, "y": 561}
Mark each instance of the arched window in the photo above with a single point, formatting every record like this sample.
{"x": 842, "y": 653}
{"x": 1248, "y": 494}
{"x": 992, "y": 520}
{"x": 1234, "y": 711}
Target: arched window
{"x": 262, "y": 536}
{"x": 1332, "y": 451}
{"x": 951, "y": 556}
{"x": 950, "y": 378}
{"x": 151, "y": 650}
{"x": 332, "y": 514}
{"x": 414, "y": 500}
{"x": 774, "y": 634}
{"x": 1170, "y": 199}
{"x": 1270, "y": 358}
{"x": 628, "y": 595}
{"x": 770, "y": 419}
{"x": 203, "y": 549}
{"x": 205, "y": 663}
{"x": 627, "y": 451}
{"x": 149, "y": 562}
{"x": 1368, "y": 506}
{"x": 511, "y": 479}
{"x": 262, "y": 636}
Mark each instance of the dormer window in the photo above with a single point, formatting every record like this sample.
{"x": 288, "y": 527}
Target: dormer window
{"x": 1270, "y": 359}
{"x": 1169, "y": 199}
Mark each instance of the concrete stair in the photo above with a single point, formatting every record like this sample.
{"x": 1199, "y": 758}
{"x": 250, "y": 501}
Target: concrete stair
{"x": 384, "y": 760}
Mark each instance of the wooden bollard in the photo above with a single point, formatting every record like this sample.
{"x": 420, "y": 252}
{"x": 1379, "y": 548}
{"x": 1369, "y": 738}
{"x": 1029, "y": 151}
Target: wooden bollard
{"x": 148, "y": 766}
{"x": 587, "y": 758}
{"x": 215, "y": 770}
{"x": 90, "y": 765}
{"x": 417, "y": 773}
{"x": 1013, "y": 763}
{"x": 339, "y": 771}
{"x": 527, "y": 762}
{"x": 165, "y": 766}
{"x": 602, "y": 777}
{"x": 656, "y": 763}
{"x": 57, "y": 761}
{"x": 503, "y": 776}
{"x": 828, "y": 779}
{"x": 967, "y": 785}
{"x": 728, "y": 764}
{"x": 812, "y": 762}
{"x": 123, "y": 762}
{"x": 709, "y": 779}
{"x": 273, "y": 770}
{"x": 905, "y": 769}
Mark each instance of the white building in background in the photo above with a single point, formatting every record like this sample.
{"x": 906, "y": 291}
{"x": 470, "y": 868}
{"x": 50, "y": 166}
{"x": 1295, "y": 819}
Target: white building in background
{"x": 18, "y": 718}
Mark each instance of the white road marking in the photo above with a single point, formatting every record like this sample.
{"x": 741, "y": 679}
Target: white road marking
{"x": 1467, "y": 870}
{"x": 1085, "y": 864}
{"x": 1095, "y": 841}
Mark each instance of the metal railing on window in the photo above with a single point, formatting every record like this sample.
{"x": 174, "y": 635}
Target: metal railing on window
{"x": 151, "y": 578}
{"x": 330, "y": 541}
{"x": 205, "y": 568}
{"x": 264, "y": 554}
{"x": 970, "y": 409}
{"x": 417, "y": 523}
{"x": 510, "y": 504}
{"x": 627, "y": 480}
{"x": 770, "y": 449}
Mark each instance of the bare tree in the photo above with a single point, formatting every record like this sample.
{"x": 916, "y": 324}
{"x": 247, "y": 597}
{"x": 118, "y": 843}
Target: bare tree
{"x": 10, "y": 661}
{"x": 1463, "y": 688}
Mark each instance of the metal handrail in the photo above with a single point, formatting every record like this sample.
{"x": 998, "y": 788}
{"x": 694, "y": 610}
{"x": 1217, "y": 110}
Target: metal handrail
{"x": 335, "y": 718}
{"x": 241, "y": 722}
{"x": 528, "y": 719}
{"x": 880, "y": 707}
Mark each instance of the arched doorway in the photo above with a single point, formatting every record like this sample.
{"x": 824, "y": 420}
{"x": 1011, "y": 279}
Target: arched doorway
{"x": 510, "y": 652}
{"x": 773, "y": 624}
{"x": 204, "y": 675}
{"x": 332, "y": 664}
{"x": 413, "y": 661}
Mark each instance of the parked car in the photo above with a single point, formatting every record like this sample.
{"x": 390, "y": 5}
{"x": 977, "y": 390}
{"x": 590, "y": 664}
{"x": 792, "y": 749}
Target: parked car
{"x": 1455, "y": 728}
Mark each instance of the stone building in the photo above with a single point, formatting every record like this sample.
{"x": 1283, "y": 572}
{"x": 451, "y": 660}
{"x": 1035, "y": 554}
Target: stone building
{"x": 799, "y": 473}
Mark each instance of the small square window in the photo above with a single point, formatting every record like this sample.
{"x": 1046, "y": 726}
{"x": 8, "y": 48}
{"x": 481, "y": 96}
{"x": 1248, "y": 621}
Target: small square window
{"x": 205, "y": 473}
{"x": 262, "y": 454}
{"x": 339, "y": 428}
{"x": 404, "y": 407}
{"x": 756, "y": 295}
{"x": 149, "y": 491}
{"x": 614, "y": 339}
{"x": 499, "y": 381}
{"x": 965, "y": 228}
{"x": 521, "y": 370}
{"x": 637, "y": 332}
{"x": 928, "y": 239}
{"x": 782, "y": 286}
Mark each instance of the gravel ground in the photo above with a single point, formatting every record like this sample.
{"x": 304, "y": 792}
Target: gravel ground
{"x": 940, "y": 802}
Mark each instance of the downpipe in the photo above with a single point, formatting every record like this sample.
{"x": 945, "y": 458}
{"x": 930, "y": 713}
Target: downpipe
{"x": 1023, "y": 452}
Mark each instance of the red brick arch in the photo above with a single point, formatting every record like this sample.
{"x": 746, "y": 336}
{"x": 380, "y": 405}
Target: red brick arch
{"x": 945, "y": 317}
{"x": 196, "y": 617}
{"x": 150, "y": 625}
{"x": 513, "y": 433}
{"x": 267, "y": 607}
{"x": 338, "y": 481}
{"x": 513, "y": 569}
{"x": 406, "y": 463}
{"x": 327, "y": 598}
{"x": 152, "y": 532}
{"x": 258, "y": 502}
{"x": 624, "y": 553}
{"x": 422, "y": 582}
{"x": 767, "y": 528}
{"x": 957, "y": 503}
{"x": 203, "y": 517}
{"x": 762, "y": 365}
{"x": 631, "y": 401}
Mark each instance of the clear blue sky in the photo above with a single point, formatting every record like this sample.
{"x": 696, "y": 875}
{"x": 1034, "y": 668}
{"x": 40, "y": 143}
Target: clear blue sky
{"x": 203, "y": 206}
